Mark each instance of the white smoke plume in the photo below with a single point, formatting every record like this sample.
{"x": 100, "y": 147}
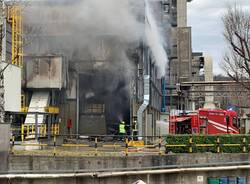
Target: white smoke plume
{"x": 92, "y": 30}
{"x": 155, "y": 40}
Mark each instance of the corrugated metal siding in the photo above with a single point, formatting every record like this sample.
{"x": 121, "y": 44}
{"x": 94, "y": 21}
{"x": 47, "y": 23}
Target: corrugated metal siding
{"x": 45, "y": 72}
{"x": 38, "y": 102}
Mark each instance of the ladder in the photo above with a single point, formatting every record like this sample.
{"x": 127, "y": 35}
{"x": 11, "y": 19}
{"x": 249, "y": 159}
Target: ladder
{"x": 15, "y": 18}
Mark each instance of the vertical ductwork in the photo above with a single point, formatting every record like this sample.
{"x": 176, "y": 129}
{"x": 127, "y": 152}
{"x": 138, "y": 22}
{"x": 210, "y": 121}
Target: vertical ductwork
{"x": 144, "y": 104}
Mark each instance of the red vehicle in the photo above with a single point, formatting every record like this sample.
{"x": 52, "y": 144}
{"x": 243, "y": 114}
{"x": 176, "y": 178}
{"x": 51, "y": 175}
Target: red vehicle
{"x": 205, "y": 121}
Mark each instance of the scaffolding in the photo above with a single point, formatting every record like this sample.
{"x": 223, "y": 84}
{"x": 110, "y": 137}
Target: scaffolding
{"x": 15, "y": 18}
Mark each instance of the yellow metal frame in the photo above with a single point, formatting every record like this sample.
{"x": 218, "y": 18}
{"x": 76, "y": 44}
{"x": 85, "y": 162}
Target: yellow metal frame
{"x": 55, "y": 129}
{"x": 29, "y": 129}
{"x": 52, "y": 109}
{"x": 16, "y": 20}
{"x": 24, "y": 108}
{"x": 136, "y": 143}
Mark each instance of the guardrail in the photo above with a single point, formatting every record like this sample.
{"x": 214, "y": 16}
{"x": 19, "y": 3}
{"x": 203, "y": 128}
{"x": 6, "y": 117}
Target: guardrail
{"x": 29, "y": 130}
{"x": 93, "y": 145}
{"x": 99, "y": 145}
{"x": 207, "y": 143}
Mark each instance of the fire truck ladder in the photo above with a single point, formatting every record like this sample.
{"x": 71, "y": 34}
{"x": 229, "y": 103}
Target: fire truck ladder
{"x": 15, "y": 18}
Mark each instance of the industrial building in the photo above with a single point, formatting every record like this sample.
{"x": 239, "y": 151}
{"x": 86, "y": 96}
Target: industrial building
{"x": 184, "y": 64}
{"x": 90, "y": 77}
{"x": 94, "y": 89}
{"x": 72, "y": 72}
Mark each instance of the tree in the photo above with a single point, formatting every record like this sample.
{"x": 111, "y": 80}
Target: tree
{"x": 237, "y": 34}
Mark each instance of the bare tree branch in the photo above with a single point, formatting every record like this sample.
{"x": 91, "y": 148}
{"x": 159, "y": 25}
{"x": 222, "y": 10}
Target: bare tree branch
{"x": 237, "y": 33}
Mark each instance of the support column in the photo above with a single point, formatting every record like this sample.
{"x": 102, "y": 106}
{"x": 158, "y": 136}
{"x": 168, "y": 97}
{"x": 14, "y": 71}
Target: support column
{"x": 77, "y": 104}
{"x": 4, "y": 145}
{"x": 36, "y": 127}
{"x": 4, "y": 127}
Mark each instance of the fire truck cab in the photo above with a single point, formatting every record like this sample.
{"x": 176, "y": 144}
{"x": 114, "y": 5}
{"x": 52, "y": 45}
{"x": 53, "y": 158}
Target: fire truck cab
{"x": 205, "y": 121}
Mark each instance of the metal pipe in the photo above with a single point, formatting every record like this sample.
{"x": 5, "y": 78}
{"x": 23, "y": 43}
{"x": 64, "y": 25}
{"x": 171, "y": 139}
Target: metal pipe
{"x": 36, "y": 127}
{"x": 77, "y": 104}
{"x": 144, "y": 105}
{"x": 122, "y": 173}
{"x": 40, "y": 176}
{"x": 49, "y": 127}
{"x": 168, "y": 171}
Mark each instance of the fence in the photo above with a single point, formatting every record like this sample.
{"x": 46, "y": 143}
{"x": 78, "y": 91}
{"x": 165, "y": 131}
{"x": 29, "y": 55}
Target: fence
{"x": 29, "y": 130}
{"x": 99, "y": 145}
{"x": 207, "y": 143}
{"x": 94, "y": 145}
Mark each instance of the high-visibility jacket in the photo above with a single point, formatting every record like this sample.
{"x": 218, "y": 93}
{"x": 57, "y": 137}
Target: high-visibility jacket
{"x": 122, "y": 128}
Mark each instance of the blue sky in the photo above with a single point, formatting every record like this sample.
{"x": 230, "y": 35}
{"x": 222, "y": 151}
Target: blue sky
{"x": 204, "y": 16}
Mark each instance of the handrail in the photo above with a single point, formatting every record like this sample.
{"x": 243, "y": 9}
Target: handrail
{"x": 126, "y": 144}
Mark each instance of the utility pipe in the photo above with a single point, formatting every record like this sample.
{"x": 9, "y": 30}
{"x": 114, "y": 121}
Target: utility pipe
{"x": 144, "y": 105}
{"x": 77, "y": 104}
{"x": 168, "y": 171}
{"x": 47, "y": 176}
{"x": 122, "y": 173}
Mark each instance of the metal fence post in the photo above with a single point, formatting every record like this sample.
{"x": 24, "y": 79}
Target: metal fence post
{"x": 54, "y": 150}
{"x": 49, "y": 127}
{"x": 96, "y": 150}
{"x": 160, "y": 140}
{"x": 36, "y": 126}
{"x": 190, "y": 144}
{"x": 13, "y": 144}
{"x": 244, "y": 145}
{"x": 218, "y": 145}
{"x": 166, "y": 145}
{"x": 22, "y": 132}
{"x": 126, "y": 146}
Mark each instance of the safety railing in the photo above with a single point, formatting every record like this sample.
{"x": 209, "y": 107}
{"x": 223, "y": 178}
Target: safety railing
{"x": 28, "y": 131}
{"x": 94, "y": 145}
{"x": 207, "y": 143}
{"x": 24, "y": 109}
{"x": 110, "y": 145}
{"x": 52, "y": 109}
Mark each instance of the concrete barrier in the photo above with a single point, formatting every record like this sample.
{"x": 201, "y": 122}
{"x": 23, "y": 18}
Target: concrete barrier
{"x": 4, "y": 146}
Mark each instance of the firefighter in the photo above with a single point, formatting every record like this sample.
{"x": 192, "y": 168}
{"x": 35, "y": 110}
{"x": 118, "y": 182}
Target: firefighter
{"x": 122, "y": 129}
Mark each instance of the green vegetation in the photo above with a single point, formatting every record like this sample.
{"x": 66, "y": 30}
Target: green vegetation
{"x": 208, "y": 143}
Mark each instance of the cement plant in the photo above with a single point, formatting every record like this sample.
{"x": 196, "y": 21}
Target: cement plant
{"x": 113, "y": 92}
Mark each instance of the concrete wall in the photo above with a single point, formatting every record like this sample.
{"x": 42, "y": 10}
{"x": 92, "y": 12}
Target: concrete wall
{"x": 90, "y": 164}
{"x": 181, "y": 178}
{"x": 44, "y": 163}
{"x": 182, "y": 13}
{"x": 92, "y": 125}
{"x": 184, "y": 51}
{"x": 68, "y": 111}
{"x": 4, "y": 146}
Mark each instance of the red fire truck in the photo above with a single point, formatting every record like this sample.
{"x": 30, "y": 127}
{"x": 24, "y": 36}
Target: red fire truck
{"x": 205, "y": 121}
